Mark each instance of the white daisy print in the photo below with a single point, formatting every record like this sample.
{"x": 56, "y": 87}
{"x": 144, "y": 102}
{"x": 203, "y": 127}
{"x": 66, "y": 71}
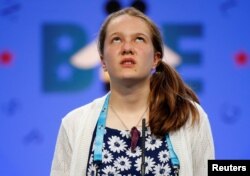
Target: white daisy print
{"x": 162, "y": 170}
{"x": 94, "y": 146}
{"x": 91, "y": 159}
{"x": 107, "y": 157}
{"x": 103, "y": 145}
{"x": 152, "y": 143}
{"x": 116, "y": 144}
{"x": 148, "y": 131}
{"x": 92, "y": 170}
{"x": 111, "y": 171}
{"x": 138, "y": 164}
{"x": 125, "y": 133}
{"x": 134, "y": 154}
{"x": 149, "y": 164}
{"x": 122, "y": 163}
{"x": 163, "y": 156}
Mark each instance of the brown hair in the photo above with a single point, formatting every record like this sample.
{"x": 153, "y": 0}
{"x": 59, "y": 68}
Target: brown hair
{"x": 171, "y": 101}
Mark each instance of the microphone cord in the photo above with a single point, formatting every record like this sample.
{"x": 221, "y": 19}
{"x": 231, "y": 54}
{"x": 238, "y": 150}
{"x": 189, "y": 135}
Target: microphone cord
{"x": 143, "y": 147}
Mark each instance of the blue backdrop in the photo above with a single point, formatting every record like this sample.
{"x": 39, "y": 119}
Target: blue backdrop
{"x": 40, "y": 81}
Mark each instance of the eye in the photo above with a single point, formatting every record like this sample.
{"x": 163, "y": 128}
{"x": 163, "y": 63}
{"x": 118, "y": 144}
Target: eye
{"x": 140, "y": 39}
{"x": 116, "y": 40}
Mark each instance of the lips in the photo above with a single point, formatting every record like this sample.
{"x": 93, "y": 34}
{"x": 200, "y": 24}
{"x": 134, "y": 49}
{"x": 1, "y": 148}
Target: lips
{"x": 128, "y": 61}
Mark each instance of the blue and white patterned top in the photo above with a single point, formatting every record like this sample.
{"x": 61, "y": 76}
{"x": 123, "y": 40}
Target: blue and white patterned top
{"x": 119, "y": 160}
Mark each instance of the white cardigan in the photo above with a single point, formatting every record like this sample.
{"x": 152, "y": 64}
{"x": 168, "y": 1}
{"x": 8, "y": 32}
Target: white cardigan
{"x": 192, "y": 144}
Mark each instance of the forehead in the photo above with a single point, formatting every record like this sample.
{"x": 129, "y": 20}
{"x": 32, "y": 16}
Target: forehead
{"x": 127, "y": 23}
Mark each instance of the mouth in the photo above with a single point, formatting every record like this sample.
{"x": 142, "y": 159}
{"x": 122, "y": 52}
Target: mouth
{"x": 127, "y": 62}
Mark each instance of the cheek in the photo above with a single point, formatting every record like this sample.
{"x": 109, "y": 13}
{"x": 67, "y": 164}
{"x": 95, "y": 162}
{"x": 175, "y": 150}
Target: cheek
{"x": 149, "y": 55}
{"x": 146, "y": 49}
{"x": 111, "y": 50}
{"x": 109, "y": 56}
{"x": 106, "y": 54}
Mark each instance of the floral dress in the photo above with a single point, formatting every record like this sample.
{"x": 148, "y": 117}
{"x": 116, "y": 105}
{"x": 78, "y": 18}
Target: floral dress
{"x": 119, "y": 160}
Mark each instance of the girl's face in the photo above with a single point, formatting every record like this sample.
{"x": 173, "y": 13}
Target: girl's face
{"x": 128, "y": 50}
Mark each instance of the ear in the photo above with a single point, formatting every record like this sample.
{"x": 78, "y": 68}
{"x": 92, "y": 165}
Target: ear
{"x": 157, "y": 58}
{"x": 103, "y": 64}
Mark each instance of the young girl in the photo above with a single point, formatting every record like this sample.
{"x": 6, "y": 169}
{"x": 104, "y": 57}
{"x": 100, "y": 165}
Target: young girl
{"x": 150, "y": 123}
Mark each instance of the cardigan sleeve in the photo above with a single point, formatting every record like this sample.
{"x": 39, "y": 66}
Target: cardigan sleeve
{"x": 62, "y": 155}
{"x": 202, "y": 146}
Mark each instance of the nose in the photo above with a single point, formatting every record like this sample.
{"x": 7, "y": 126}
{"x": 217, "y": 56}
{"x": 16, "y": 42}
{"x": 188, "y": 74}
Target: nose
{"x": 127, "y": 48}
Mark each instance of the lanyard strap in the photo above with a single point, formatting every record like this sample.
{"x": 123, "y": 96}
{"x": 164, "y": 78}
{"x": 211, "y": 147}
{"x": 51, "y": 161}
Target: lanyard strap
{"x": 173, "y": 157}
{"x": 100, "y": 131}
{"x": 100, "y": 135}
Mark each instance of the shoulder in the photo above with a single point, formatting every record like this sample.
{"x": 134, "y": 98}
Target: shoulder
{"x": 191, "y": 132}
{"x": 194, "y": 140}
{"x": 199, "y": 134}
{"x": 203, "y": 117}
{"x": 77, "y": 116}
{"x": 200, "y": 121}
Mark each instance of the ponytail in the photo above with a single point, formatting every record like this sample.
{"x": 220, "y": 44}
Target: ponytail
{"x": 171, "y": 101}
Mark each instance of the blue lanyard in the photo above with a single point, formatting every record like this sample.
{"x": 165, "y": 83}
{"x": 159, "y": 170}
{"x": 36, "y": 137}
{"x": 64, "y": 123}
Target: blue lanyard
{"x": 100, "y": 131}
{"x": 173, "y": 157}
{"x": 100, "y": 135}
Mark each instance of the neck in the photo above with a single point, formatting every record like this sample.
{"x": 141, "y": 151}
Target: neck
{"x": 129, "y": 98}
{"x": 130, "y": 104}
